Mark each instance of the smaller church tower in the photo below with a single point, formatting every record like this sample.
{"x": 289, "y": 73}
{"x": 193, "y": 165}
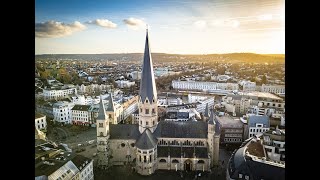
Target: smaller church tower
{"x": 206, "y": 113}
{"x": 111, "y": 112}
{"x": 216, "y": 142}
{"x": 103, "y": 134}
{"x": 211, "y": 132}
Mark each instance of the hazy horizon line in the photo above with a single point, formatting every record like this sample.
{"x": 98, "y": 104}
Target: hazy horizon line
{"x": 164, "y": 53}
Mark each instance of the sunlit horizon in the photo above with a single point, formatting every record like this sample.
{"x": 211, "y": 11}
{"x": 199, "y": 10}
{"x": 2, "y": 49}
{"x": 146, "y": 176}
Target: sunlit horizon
{"x": 176, "y": 27}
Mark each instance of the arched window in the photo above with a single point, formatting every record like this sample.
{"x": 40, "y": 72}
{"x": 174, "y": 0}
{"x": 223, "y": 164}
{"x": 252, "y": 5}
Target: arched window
{"x": 162, "y": 160}
{"x": 201, "y": 162}
{"x": 123, "y": 145}
{"x": 101, "y": 133}
{"x": 175, "y": 161}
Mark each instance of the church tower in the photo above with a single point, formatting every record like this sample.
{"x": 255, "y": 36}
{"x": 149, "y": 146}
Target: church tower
{"x": 148, "y": 106}
{"x": 103, "y": 134}
{"x": 110, "y": 111}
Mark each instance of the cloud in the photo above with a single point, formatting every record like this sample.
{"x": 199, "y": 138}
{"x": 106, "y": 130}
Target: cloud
{"x": 226, "y": 23}
{"x": 201, "y": 24}
{"x": 103, "y": 23}
{"x": 265, "y": 17}
{"x": 134, "y": 23}
{"x": 53, "y": 29}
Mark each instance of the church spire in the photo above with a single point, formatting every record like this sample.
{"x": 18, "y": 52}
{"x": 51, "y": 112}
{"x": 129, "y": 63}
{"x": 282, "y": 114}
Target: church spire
{"x": 110, "y": 105}
{"x": 147, "y": 83}
{"x": 102, "y": 113}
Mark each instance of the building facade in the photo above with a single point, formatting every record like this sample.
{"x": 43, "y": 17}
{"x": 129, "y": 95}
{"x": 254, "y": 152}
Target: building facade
{"x": 81, "y": 115}
{"x": 59, "y": 93}
{"x": 276, "y": 89}
{"x": 62, "y": 112}
{"x": 258, "y": 124}
{"x": 40, "y": 122}
{"x": 201, "y": 85}
{"x": 231, "y": 129}
{"x": 152, "y": 144}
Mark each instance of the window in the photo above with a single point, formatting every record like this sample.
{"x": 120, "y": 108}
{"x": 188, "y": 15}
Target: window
{"x": 38, "y": 126}
{"x": 41, "y": 120}
{"x": 162, "y": 160}
{"x": 175, "y": 161}
{"x": 144, "y": 158}
{"x": 247, "y": 177}
{"x": 201, "y": 162}
{"x": 147, "y": 111}
{"x": 279, "y": 105}
{"x": 140, "y": 122}
{"x": 147, "y": 123}
{"x": 101, "y": 133}
{"x": 123, "y": 145}
{"x": 100, "y": 124}
{"x": 240, "y": 175}
{"x": 152, "y": 122}
{"x": 141, "y": 110}
{"x": 153, "y": 111}
{"x": 110, "y": 116}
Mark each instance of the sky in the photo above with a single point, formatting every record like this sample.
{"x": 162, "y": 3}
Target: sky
{"x": 175, "y": 26}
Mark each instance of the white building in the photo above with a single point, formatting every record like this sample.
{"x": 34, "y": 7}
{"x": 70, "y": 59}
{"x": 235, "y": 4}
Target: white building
{"x": 62, "y": 112}
{"x": 40, "y": 122}
{"x": 84, "y": 100}
{"x": 223, "y": 78}
{"x": 81, "y": 115}
{"x": 54, "y": 162}
{"x": 203, "y": 86}
{"x": 124, "y": 83}
{"x": 258, "y": 125}
{"x": 130, "y": 106}
{"x": 195, "y": 98}
{"x": 136, "y": 75}
{"x": 236, "y": 103}
{"x": 58, "y": 93}
{"x": 276, "y": 89}
{"x": 274, "y": 144}
{"x": 248, "y": 86}
{"x": 93, "y": 88}
{"x": 168, "y": 101}
{"x": 202, "y": 106}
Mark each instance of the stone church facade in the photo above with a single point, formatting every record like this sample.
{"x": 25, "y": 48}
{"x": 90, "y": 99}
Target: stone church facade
{"x": 152, "y": 144}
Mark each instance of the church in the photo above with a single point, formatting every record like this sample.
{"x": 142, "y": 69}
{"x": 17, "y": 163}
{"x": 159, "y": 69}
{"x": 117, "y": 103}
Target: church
{"x": 152, "y": 144}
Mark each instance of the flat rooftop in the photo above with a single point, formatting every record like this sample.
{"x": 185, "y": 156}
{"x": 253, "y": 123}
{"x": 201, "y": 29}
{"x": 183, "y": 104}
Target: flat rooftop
{"x": 38, "y": 115}
{"x": 228, "y": 121}
{"x": 262, "y": 94}
{"x": 255, "y": 149}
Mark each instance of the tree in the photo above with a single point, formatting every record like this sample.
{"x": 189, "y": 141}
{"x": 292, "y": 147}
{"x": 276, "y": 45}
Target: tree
{"x": 264, "y": 79}
{"x": 45, "y": 74}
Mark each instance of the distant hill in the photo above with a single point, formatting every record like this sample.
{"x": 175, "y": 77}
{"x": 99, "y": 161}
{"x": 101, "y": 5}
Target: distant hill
{"x": 162, "y": 57}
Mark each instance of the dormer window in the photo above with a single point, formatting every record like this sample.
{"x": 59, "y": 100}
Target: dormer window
{"x": 147, "y": 101}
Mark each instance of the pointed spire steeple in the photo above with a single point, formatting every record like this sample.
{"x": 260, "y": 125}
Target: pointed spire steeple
{"x": 206, "y": 111}
{"x": 102, "y": 113}
{"x": 212, "y": 117}
{"x": 147, "y": 83}
{"x": 110, "y": 105}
